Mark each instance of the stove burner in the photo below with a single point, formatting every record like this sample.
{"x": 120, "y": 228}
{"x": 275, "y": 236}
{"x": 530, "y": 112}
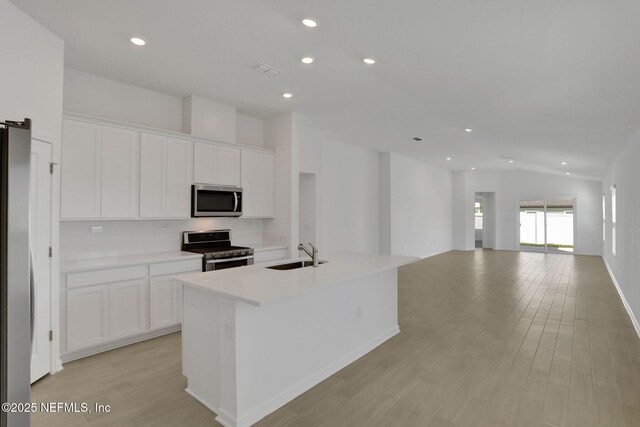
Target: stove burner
{"x": 215, "y": 245}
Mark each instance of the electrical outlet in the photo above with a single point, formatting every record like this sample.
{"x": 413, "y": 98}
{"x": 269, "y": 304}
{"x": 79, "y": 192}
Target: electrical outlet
{"x": 95, "y": 229}
{"x": 359, "y": 312}
{"x": 164, "y": 227}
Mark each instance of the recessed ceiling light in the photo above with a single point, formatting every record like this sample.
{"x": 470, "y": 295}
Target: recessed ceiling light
{"x": 311, "y": 23}
{"x": 417, "y": 138}
{"x": 287, "y": 95}
{"x": 369, "y": 61}
{"x": 563, "y": 163}
{"x": 468, "y": 130}
{"x": 567, "y": 173}
{"x": 448, "y": 158}
{"x": 511, "y": 161}
{"x": 307, "y": 60}
{"x": 137, "y": 41}
{"x": 473, "y": 169}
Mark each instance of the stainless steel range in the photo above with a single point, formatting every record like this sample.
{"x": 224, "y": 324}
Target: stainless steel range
{"x": 215, "y": 247}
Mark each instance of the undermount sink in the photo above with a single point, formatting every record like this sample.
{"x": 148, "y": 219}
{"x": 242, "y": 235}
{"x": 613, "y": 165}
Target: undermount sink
{"x": 294, "y": 265}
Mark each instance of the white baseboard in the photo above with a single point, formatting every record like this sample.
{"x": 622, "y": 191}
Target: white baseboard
{"x": 633, "y": 317}
{"x": 79, "y": 354}
{"x": 57, "y": 367}
{"x": 296, "y": 390}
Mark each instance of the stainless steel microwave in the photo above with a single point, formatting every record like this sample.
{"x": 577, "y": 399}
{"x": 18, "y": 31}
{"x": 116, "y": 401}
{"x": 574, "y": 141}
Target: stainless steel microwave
{"x": 215, "y": 200}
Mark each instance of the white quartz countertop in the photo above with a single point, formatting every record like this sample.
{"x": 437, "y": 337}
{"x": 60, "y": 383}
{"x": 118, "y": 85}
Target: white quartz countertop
{"x": 118, "y": 261}
{"x": 258, "y": 285}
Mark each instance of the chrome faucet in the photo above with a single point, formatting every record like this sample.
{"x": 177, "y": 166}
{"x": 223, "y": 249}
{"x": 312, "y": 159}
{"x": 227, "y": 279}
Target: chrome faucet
{"x": 313, "y": 253}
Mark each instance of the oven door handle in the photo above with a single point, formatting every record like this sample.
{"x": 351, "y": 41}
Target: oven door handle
{"x": 218, "y": 261}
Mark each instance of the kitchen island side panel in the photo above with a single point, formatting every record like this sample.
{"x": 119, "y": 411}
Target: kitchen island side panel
{"x": 201, "y": 346}
{"x": 285, "y": 348}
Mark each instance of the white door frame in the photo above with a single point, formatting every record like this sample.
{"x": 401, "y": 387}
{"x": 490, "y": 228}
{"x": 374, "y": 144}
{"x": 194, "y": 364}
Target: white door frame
{"x": 545, "y": 198}
{"x": 54, "y": 265}
{"x": 43, "y": 330}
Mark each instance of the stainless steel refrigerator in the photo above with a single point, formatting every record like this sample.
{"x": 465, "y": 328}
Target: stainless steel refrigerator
{"x": 16, "y": 278}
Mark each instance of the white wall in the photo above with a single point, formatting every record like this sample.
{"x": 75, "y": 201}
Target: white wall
{"x": 31, "y": 73}
{"x": 209, "y": 119}
{"x": 93, "y": 95}
{"x": 625, "y": 174}
{"x": 136, "y": 237}
{"x": 278, "y": 135}
{"x": 418, "y": 219}
{"x": 458, "y": 188}
{"x": 511, "y": 186}
{"x": 348, "y": 191}
{"x": 101, "y": 97}
{"x": 250, "y": 131}
{"x": 308, "y": 208}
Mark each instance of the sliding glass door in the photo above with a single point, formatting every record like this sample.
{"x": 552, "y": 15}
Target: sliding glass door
{"x": 547, "y": 225}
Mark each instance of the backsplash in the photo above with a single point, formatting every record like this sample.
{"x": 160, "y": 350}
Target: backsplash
{"x": 144, "y": 236}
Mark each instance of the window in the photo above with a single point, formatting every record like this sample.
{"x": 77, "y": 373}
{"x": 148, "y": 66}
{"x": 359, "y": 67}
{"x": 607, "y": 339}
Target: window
{"x": 479, "y": 217}
{"x": 613, "y": 219}
{"x": 604, "y": 217}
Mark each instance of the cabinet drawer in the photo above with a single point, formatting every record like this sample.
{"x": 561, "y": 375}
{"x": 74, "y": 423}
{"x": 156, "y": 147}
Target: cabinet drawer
{"x": 167, "y": 268}
{"x": 106, "y": 276}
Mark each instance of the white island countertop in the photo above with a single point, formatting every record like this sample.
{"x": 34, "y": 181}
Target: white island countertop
{"x": 259, "y": 285}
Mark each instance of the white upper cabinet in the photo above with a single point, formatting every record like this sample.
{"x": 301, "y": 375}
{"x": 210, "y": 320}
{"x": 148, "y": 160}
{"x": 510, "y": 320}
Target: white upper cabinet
{"x": 266, "y": 172}
{"x": 249, "y": 181}
{"x": 81, "y": 170}
{"x": 205, "y": 163}
{"x": 216, "y": 164}
{"x": 178, "y": 172}
{"x": 257, "y": 180}
{"x": 120, "y": 171}
{"x": 99, "y": 171}
{"x": 152, "y": 157}
{"x": 165, "y": 177}
{"x": 228, "y": 166}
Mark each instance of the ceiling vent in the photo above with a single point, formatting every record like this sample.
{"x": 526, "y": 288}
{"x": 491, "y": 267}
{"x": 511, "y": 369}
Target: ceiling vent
{"x": 266, "y": 70}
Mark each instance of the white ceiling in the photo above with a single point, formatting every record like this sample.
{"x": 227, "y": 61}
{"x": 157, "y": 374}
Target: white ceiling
{"x": 539, "y": 81}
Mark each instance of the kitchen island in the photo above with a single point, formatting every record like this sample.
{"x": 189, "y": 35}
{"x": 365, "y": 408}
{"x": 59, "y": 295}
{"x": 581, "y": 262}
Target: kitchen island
{"x": 254, "y": 338}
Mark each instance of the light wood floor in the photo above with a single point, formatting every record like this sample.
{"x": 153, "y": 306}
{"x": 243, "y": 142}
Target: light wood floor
{"x": 488, "y": 339}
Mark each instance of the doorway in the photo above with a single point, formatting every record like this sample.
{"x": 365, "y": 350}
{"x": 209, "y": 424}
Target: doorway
{"x": 484, "y": 220}
{"x": 40, "y": 236}
{"x": 547, "y": 224}
{"x": 307, "y": 212}
{"x": 478, "y": 209}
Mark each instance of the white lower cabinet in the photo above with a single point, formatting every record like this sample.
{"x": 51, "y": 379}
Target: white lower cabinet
{"x": 108, "y": 307}
{"x": 164, "y": 302}
{"x": 87, "y": 317}
{"x": 127, "y": 308}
